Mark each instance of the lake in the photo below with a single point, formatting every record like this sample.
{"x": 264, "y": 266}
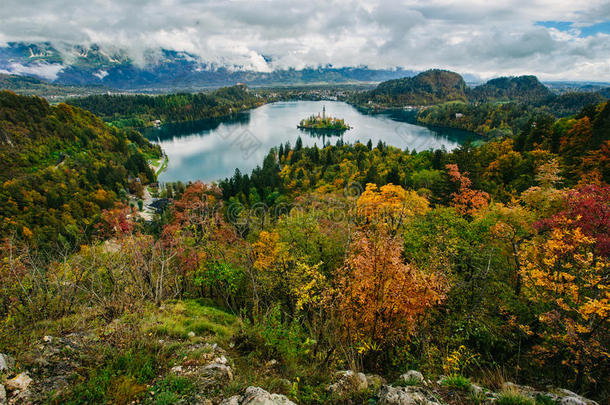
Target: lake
{"x": 211, "y": 150}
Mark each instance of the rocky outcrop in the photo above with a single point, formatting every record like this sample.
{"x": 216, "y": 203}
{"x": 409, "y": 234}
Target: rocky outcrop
{"x": 557, "y": 395}
{"x": 348, "y": 381}
{"x": 218, "y": 371}
{"x": 21, "y": 382}
{"x": 389, "y": 395}
{"x": 412, "y": 377}
{"x": 257, "y": 396}
{"x": 19, "y": 389}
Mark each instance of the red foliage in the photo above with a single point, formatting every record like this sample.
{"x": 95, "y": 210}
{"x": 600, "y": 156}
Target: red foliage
{"x": 116, "y": 222}
{"x": 589, "y": 210}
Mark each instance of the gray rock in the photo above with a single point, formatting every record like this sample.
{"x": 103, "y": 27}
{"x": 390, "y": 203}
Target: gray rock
{"x": 525, "y": 389}
{"x": 389, "y": 395}
{"x": 411, "y": 377}
{"x": 6, "y": 362}
{"x": 219, "y": 370}
{"x": 564, "y": 394}
{"x": 2, "y": 395}
{"x": 572, "y": 401}
{"x": 257, "y": 396}
{"x": 21, "y": 382}
{"x": 348, "y": 381}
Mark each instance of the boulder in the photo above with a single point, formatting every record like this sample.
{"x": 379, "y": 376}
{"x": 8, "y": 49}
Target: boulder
{"x": 2, "y": 395}
{"x": 412, "y": 377}
{"x": 6, "y": 362}
{"x": 389, "y": 395}
{"x": 218, "y": 371}
{"x": 572, "y": 401}
{"x": 257, "y": 396}
{"x": 21, "y": 382}
{"x": 348, "y": 381}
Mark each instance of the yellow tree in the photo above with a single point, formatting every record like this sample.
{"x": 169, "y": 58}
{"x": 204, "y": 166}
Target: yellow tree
{"x": 571, "y": 283}
{"x": 282, "y": 276}
{"x": 390, "y": 205}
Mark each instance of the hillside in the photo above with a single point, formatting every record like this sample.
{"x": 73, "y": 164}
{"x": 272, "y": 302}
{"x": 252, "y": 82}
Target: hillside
{"x": 430, "y": 87}
{"x": 141, "y": 110}
{"x": 520, "y": 88}
{"x": 60, "y": 166}
{"x": 27, "y": 85}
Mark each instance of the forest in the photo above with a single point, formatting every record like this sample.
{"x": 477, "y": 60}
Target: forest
{"x": 138, "y": 111}
{"x": 482, "y": 265}
{"x": 60, "y": 167}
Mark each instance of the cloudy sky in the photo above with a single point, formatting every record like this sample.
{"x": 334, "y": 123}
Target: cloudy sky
{"x": 554, "y": 39}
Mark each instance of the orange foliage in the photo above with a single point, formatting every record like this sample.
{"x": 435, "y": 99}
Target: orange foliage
{"x": 380, "y": 297}
{"x": 467, "y": 201}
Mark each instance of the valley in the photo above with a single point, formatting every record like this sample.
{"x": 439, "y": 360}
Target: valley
{"x": 281, "y": 203}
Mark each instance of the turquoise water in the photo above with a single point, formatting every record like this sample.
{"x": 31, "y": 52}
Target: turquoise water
{"x": 211, "y": 150}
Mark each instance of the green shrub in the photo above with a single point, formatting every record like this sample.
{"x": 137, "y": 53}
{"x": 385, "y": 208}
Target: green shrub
{"x": 410, "y": 382}
{"x": 171, "y": 388}
{"x": 457, "y": 382}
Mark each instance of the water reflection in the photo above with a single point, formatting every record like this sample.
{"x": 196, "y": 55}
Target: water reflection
{"x": 323, "y": 134}
{"x": 210, "y": 150}
{"x": 179, "y": 129}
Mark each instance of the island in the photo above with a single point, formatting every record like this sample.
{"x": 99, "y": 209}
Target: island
{"x": 322, "y": 122}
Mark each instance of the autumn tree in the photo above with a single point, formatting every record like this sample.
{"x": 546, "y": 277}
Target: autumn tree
{"x": 570, "y": 282}
{"x": 380, "y": 297}
{"x": 390, "y": 205}
{"x": 466, "y": 200}
{"x": 282, "y": 276}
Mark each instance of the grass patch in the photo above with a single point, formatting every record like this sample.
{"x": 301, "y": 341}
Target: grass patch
{"x": 178, "y": 318}
{"x": 130, "y": 355}
{"x": 171, "y": 389}
{"x": 457, "y": 382}
{"x": 511, "y": 397}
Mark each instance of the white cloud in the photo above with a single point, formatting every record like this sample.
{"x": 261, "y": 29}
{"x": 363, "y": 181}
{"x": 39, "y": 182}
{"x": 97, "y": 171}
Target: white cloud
{"x": 47, "y": 71}
{"x": 101, "y": 74}
{"x": 476, "y": 36}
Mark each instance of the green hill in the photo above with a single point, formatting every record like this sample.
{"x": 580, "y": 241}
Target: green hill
{"x": 29, "y": 86}
{"x": 430, "y": 87}
{"x": 60, "y": 166}
{"x": 521, "y": 88}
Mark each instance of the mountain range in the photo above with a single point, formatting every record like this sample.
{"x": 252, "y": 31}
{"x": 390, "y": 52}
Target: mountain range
{"x": 163, "y": 69}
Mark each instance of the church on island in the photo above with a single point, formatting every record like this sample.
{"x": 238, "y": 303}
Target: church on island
{"x": 323, "y": 122}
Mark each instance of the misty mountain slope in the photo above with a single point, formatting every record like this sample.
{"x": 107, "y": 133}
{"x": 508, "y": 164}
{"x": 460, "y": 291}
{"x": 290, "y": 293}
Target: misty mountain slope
{"x": 163, "y": 69}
